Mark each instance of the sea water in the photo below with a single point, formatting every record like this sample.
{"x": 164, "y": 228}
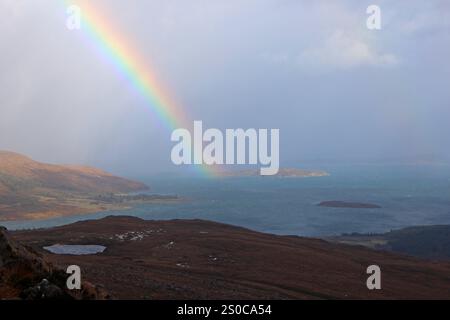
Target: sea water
{"x": 409, "y": 195}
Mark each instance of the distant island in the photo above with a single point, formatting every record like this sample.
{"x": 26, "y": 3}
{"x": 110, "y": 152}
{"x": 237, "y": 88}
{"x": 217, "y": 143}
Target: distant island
{"x": 345, "y": 204}
{"x": 283, "y": 172}
{"x": 32, "y": 190}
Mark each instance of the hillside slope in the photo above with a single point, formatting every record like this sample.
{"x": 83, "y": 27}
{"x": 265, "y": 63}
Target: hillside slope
{"x": 195, "y": 259}
{"x": 30, "y": 189}
{"x": 25, "y": 274}
{"x": 428, "y": 242}
{"x": 19, "y": 173}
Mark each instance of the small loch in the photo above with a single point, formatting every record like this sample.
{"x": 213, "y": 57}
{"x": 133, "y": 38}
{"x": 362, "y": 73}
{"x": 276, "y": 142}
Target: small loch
{"x": 75, "y": 249}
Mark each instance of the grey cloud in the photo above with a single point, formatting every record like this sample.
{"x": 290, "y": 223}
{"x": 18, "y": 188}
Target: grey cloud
{"x": 310, "y": 68}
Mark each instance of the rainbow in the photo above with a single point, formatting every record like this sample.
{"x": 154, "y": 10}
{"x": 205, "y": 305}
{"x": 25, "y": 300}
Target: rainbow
{"x": 127, "y": 61}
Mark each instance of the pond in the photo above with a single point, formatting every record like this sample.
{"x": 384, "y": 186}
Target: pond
{"x": 75, "y": 249}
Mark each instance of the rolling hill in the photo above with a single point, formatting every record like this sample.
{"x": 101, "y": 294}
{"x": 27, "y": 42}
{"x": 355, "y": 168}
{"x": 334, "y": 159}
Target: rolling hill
{"x": 31, "y": 189}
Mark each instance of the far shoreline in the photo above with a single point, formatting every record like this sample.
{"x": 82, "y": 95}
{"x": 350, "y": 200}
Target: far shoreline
{"x": 93, "y": 205}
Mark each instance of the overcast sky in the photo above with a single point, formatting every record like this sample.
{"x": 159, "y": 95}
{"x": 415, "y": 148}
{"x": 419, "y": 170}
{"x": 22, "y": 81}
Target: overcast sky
{"x": 337, "y": 91}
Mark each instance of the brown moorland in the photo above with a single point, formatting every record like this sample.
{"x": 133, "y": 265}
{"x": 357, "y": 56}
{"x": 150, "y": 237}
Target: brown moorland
{"x": 195, "y": 259}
